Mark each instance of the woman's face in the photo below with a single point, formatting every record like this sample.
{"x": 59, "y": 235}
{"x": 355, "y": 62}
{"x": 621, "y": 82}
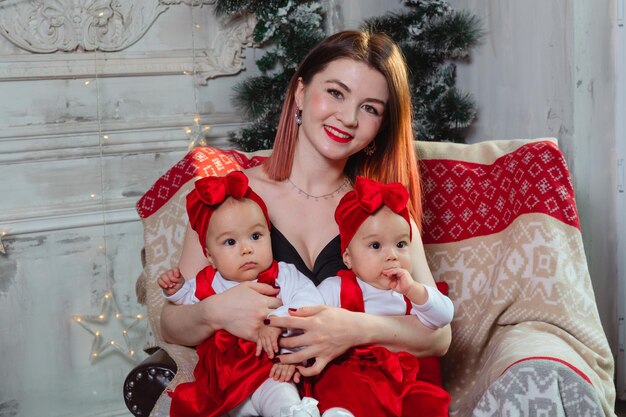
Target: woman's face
{"x": 342, "y": 108}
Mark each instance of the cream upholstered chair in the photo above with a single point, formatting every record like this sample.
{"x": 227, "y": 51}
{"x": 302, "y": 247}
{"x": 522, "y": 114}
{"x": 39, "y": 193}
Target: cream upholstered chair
{"x": 500, "y": 228}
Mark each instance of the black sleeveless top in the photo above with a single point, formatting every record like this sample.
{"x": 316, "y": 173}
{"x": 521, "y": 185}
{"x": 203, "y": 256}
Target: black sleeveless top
{"x": 327, "y": 264}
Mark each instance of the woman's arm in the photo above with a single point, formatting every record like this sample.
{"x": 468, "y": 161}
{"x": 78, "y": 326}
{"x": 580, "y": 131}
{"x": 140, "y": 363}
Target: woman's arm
{"x": 330, "y": 331}
{"x": 240, "y": 310}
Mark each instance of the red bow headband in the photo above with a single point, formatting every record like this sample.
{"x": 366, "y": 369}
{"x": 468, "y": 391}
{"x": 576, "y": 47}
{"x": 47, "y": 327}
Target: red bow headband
{"x": 210, "y": 192}
{"x": 365, "y": 200}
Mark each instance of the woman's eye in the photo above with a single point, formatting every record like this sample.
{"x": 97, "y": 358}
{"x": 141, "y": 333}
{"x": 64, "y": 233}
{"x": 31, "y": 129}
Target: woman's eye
{"x": 371, "y": 109}
{"x": 335, "y": 93}
{"x": 255, "y": 236}
{"x": 229, "y": 242}
{"x": 375, "y": 245}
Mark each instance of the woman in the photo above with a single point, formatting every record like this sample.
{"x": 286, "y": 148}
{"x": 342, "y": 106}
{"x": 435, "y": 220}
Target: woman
{"x": 347, "y": 112}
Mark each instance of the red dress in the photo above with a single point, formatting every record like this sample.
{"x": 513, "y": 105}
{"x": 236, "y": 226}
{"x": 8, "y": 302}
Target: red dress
{"x": 227, "y": 372}
{"x": 373, "y": 381}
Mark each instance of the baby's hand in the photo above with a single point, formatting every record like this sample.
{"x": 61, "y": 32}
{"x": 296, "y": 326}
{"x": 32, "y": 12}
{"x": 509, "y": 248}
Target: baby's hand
{"x": 283, "y": 372}
{"x": 268, "y": 341}
{"x": 170, "y": 281}
{"x": 400, "y": 280}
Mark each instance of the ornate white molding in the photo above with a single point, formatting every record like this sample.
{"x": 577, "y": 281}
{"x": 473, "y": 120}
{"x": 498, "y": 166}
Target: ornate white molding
{"x": 80, "y": 140}
{"x": 206, "y": 64}
{"x": 189, "y": 2}
{"x": 49, "y": 26}
{"x": 46, "y": 26}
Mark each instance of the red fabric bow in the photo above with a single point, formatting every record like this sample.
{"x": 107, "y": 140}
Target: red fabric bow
{"x": 210, "y": 192}
{"x": 396, "y": 366}
{"x": 372, "y": 195}
{"x": 365, "y": 200}
{"x": 214, "y": 190}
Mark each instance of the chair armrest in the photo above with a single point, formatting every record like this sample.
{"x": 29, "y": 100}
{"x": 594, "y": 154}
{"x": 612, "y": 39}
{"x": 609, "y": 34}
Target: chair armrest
{"x": 146, "y": 381}
{"x": 522, "y": 364}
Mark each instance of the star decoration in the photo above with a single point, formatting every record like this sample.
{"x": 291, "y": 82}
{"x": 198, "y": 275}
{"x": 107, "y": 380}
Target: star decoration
{"x": 3, "y": 250}
{"x": 109, "y": 311}
{"x": 197, "y": 133}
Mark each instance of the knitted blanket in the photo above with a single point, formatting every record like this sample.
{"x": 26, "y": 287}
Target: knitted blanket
{"x": 501, "y": 228}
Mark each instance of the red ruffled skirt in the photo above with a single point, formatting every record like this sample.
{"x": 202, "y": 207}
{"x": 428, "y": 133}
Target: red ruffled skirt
{"x": 227, "y": 373}
{"x": 374, "y": 381}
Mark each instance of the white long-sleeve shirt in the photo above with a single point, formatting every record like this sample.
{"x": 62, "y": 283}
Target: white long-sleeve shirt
{"x": 296, "y": 290}
{"x": 436, "y": 312}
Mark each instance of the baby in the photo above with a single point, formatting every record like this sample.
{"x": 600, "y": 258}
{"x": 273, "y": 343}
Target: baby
{"x": 375, "y": 231}
{"x": 231, "y": 376}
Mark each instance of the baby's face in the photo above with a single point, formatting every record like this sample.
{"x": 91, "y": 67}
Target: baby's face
{"x": 382, "y": 242}
{"x": 238, "y": 240}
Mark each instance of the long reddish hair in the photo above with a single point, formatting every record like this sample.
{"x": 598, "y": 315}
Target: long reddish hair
{"x": 394, "y": 159}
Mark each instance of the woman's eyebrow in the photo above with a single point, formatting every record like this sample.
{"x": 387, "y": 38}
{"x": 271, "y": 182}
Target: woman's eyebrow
{"x": 345, "y": 87}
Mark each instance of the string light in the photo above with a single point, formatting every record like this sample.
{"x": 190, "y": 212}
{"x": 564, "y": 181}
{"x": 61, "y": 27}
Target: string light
{"x": 196, "y": 134}
{"x": 109, "y": 310}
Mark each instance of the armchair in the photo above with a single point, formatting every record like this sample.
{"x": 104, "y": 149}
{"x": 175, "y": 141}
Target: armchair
{"x": 500, "y": 228}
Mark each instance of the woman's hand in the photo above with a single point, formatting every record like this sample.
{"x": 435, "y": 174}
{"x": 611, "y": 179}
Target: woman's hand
{"x": 239, "y": 310}
{"x": 244, "y": 307}
{"x": 328, "y": 332}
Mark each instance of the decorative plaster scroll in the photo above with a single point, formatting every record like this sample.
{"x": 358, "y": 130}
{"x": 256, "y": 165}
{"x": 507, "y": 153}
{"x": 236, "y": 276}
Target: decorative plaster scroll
{"x": 46, "y": 26}
{"x": 225, "y": 55}
{"x": 189, "y": 2}
{"x": 76, "y": 25}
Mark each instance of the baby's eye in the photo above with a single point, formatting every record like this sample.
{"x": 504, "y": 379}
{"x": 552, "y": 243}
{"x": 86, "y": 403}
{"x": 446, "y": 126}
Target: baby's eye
{"x": 402, "y": 244}
{"x": 335, "y": 93}
{"x": 375, "y": 245}
{"x": 230, "y": 242}
{"x": 255, "y": 236}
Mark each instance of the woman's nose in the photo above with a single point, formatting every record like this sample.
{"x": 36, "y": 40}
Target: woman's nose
{"x": 348, "y": 116}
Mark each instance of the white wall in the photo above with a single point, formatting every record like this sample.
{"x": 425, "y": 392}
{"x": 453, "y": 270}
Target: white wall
{"x": 546, "y": 68}
{"x": 83, "y": 134}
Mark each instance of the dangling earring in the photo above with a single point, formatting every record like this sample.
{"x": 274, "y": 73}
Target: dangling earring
{"x": 298, "y": 117}
{"x": 370, "y": 149}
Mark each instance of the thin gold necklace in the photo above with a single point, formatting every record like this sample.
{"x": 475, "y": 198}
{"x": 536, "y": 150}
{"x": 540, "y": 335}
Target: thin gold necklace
{"x": 342, "y": 186}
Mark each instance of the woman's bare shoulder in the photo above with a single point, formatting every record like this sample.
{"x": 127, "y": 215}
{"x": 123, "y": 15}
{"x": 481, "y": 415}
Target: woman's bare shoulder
{"x": 266, "y": 187}
{"x": 258, "y": 179}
